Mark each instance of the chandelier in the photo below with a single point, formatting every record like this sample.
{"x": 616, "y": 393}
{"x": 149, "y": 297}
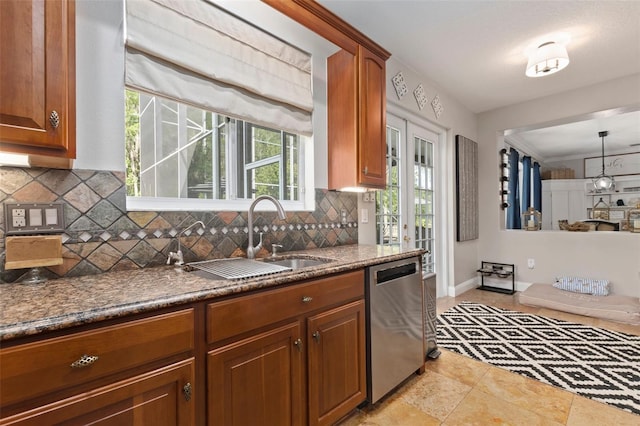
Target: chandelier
{"x": 603, "y": 182}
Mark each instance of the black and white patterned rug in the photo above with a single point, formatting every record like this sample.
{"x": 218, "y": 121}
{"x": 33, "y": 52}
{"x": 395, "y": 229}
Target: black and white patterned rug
{"x": 599, "y": 364}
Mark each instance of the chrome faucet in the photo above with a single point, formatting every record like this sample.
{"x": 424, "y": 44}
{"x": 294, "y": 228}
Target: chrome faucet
{"x": 178, "y": 256}
{"x": 251, "y": 250}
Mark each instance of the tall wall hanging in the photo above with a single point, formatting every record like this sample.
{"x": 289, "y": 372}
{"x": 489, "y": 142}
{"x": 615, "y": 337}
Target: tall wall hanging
{"x": 466, "y": 189}
{"x": 504, "y": 179}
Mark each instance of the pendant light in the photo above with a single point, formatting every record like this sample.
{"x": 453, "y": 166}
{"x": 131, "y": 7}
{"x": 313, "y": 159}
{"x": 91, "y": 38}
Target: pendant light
{"x": 603, "y": 182}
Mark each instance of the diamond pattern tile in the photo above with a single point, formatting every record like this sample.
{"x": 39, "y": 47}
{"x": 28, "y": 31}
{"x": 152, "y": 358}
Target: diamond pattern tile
{"x": 101, "y": 236}
{"x": 59, "y": 181}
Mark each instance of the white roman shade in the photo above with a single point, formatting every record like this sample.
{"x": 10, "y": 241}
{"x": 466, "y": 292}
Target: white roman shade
{"x": 198, "y": 54}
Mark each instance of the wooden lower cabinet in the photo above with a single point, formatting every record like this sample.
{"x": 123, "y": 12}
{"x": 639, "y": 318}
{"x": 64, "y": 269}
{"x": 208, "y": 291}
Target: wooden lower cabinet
{"x": 337, "y": 373}
{"x": 288, "y": 356}
{"x": 160, "y": 397}
{"x": 306, "y": 368}
{"x": 258, "y": 380}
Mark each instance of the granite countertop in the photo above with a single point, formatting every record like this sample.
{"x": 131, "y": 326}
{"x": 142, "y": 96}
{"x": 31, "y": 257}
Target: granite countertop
{"x": 32, "y": 309}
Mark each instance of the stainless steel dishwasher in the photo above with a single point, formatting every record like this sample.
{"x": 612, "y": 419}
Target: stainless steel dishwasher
{"x": 395, "y": 325}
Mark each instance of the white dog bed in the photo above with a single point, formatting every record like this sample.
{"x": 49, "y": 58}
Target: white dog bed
{"x": 612, "y": 307}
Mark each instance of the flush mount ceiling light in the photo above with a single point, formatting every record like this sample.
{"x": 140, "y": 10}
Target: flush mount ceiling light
{"x": 549, "y": 58}
{"x": 603, "y": 182}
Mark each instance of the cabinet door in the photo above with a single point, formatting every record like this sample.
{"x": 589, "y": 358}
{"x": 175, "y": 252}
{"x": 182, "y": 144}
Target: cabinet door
{"x": 160, "y": 397}
{"x": 356, "y": 119}
{"x": 37, "y": 77}
{"x": 257, "y": 381}
{"x": 337, "y": 381}
{"x": 372, "y": 138}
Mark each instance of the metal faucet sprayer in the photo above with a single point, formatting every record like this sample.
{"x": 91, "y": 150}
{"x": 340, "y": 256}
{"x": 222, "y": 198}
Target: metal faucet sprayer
{"x": 251, "y": 250}
{"x": 177, "y": 256}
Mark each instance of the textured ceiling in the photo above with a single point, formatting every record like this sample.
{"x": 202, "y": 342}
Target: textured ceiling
{"x": 476, "y": 51}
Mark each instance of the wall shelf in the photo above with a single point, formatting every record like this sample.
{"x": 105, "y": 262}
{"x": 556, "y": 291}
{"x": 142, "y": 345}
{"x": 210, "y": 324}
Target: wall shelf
{"x": 500, "y": 270}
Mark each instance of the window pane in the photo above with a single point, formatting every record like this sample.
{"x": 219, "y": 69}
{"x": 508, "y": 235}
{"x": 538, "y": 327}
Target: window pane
{"x": 167, "y": 182}
{"x": 265, "y": 180}
{"x": 132, "y": 142}
{"x": 388, "y": 201}
{"x": 292, "y": 167}
{"x": 423, "y": 193}
{"x": 266, "y": 143}
{"x": 180, "y": 151}
{"x": 167, "y": 142}
{"x": 147, "y": 131}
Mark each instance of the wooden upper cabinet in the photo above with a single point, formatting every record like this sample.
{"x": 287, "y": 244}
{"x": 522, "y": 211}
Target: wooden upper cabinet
{"x": 356, "y": 111}
{"x": 37, "y": 77}
{"x": 356, "y": 97}
{"x": 372, "y": 123}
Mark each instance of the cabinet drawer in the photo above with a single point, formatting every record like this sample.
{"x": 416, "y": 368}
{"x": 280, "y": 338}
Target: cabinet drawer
{"x": 232, "y": 317}
{"x": 34, "y": 369}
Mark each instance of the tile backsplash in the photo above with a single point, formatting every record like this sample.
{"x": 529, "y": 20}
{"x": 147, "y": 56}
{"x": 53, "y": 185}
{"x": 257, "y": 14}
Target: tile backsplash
{"x": 101, "y": 236}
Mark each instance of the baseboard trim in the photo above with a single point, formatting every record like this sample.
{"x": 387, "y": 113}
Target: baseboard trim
{"x": 465, "y": 286}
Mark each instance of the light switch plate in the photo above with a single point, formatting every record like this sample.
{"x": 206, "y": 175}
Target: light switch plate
{"x": 34, "y": 218}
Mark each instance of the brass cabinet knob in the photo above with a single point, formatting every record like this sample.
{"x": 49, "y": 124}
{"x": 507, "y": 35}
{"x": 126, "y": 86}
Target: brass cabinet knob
{"x": 54, "y": 119}
{"x": 187, "y": 391}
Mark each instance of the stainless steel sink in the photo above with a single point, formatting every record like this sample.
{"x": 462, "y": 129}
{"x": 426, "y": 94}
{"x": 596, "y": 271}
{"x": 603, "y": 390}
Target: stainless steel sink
{"x": 235, "y": 268}
{"x": 297, "y": 261}
{"x": 241, "y": 268}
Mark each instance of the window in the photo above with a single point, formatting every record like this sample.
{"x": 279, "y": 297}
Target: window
{"x": 525, "y": 188}
{"x": 405, "y": 213}
{"x": 178, "y": 151}
{"x": 218, "y": 109}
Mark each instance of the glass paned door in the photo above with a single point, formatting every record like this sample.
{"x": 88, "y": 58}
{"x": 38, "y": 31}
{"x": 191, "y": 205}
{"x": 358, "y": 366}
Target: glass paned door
{"x": 405, "y": 211}
{"x": 388, "y": 220}
{"x": 423, "y": 196}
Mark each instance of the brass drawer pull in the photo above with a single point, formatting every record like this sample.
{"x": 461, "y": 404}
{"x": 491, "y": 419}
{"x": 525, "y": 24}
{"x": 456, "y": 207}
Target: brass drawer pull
{"x": 298, "y": 344}
{"x": 316, "y": 336}
{"x": 187, "y": 391}
{"x": 54, "y": 119}
{"x": 306, "y": 299}
{"x": 84, "y": 361}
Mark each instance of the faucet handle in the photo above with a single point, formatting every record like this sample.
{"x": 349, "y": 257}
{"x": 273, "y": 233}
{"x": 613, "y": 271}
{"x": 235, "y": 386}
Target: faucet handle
{"x": 274, "y": 249}
{"x": 177, "y": 256}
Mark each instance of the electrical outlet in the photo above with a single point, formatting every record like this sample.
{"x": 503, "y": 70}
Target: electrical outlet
{"x": 34, "y": 218}
{"x": 531, "y": 263}
{"x": 18, "y": 218}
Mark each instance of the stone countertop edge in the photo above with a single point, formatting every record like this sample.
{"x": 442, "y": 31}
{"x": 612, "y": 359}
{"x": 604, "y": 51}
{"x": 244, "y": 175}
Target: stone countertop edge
{"x": 27, "y": 310}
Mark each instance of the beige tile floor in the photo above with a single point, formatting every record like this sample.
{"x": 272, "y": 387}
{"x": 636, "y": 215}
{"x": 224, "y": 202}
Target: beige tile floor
{"x": 457, "y": 390}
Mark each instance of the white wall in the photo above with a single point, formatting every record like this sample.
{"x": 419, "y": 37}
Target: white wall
{"x": 455, "y": 119}
{"x": 609, "y": 255}
{"x": 99, "y": 85}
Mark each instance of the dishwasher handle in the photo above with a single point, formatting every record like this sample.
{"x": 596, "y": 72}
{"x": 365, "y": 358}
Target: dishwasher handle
{"x": 395, "y": 272}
